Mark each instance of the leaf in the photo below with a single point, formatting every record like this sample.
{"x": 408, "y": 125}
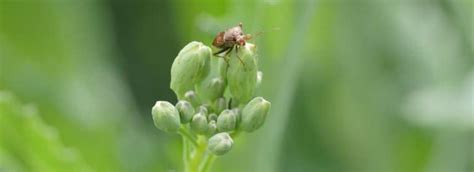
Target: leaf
{"x": 26, "y": 141}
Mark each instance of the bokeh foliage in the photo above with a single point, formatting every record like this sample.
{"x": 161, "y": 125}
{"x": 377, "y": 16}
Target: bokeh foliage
{"x": 367, "y": 85}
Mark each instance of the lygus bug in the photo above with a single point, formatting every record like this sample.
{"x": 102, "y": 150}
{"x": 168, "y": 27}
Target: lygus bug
{"x": 227, "y": 40}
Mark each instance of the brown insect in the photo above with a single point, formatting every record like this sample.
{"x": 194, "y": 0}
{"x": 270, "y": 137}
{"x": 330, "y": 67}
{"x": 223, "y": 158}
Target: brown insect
{"x": 230, "y": 39}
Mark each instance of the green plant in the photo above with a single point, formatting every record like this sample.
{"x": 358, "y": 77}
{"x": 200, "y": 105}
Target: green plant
{"x": 216, "y": 102}
{"x": 27, "y": 143}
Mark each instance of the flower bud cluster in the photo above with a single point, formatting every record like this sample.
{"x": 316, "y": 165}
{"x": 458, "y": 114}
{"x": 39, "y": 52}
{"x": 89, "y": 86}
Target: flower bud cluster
{"x": 216, "y": 96}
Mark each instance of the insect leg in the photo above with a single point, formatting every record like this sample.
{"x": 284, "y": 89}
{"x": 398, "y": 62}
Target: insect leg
{"x": 221, "y": 51}
{"x": 229, "y": 50}
{"x": 226, "y": 50}
{"x": 227, "y": 53}
{"x": 238, "y": 57}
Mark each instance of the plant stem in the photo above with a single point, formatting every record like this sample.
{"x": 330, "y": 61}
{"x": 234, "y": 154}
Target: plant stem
{"x": 235, "y": 134}
{"x": 186, "y": 153}
{"x": 185, "y": 133}
{"x": 207, "y": 162}
{"x": 198, "y": 153}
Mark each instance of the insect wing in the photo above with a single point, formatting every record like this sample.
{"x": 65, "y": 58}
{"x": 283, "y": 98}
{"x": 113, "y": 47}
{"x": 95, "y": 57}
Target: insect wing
{"x": 219, "y": 40}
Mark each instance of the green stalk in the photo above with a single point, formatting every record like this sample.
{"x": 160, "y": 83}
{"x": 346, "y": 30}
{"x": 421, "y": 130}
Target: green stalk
{"x": 197, "y": 155}
{"x": 235, "y": 134}
{"x": 185, "y": 133}
{"x": 185, "y": 153}
{"x": 207, "y": 162}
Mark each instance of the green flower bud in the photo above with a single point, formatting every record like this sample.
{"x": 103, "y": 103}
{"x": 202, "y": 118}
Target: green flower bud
{"x": 165, "y": 116}
{"x": 259, "y": 78}
{"x": 191, "y": 66}
{"x": 212, "y": 128}
{"x": 203, "y": 110}
{"x": 220, "y": 104}
{"x": 226, "y": 121}
{"x": 237, "y": 116}
{"x": 199, "y": 123}
{"x": 220, "y": 143}
{"x": 222, "y": 67}
{"x": 186, "y": 111}
{"x": 191, "y": 97}
{"x": 212, "y": 117}
{"x": 242, "y": 75}
{"x": 234, "y": 103}
{"x": 214, "y": 89}
{"x": 254, "y": 114}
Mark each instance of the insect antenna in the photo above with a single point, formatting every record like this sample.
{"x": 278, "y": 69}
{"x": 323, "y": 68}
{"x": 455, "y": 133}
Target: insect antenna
{"x": 260, "y": 33}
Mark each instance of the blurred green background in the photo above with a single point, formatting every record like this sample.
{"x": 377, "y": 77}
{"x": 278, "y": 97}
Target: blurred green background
{"x": 368, "y": 85}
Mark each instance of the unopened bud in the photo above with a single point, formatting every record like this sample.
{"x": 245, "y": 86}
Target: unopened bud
{"x": 212, "y": 117}
{"x": 242, "y": 73}
{"x": 220, "y": 104}
{"x": 220, "y": 143}
{"x": 199, "y": 123}
{"x": 186, "y": 111}
{"x": 254, "y": 114}
{"x": 212, "y": 128}
{"x": 226, "y": 121}
{"x": 222, "y": 67}
{"x": 189, "y": 67}
{"x": 215, "y": 88}
{"x": 237, "y": 115}
{"x": 203, "y": 110}
{"x": 259, "y": 78}
{"x": 165, "y": 116}
{"x": 192, "y": 98}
